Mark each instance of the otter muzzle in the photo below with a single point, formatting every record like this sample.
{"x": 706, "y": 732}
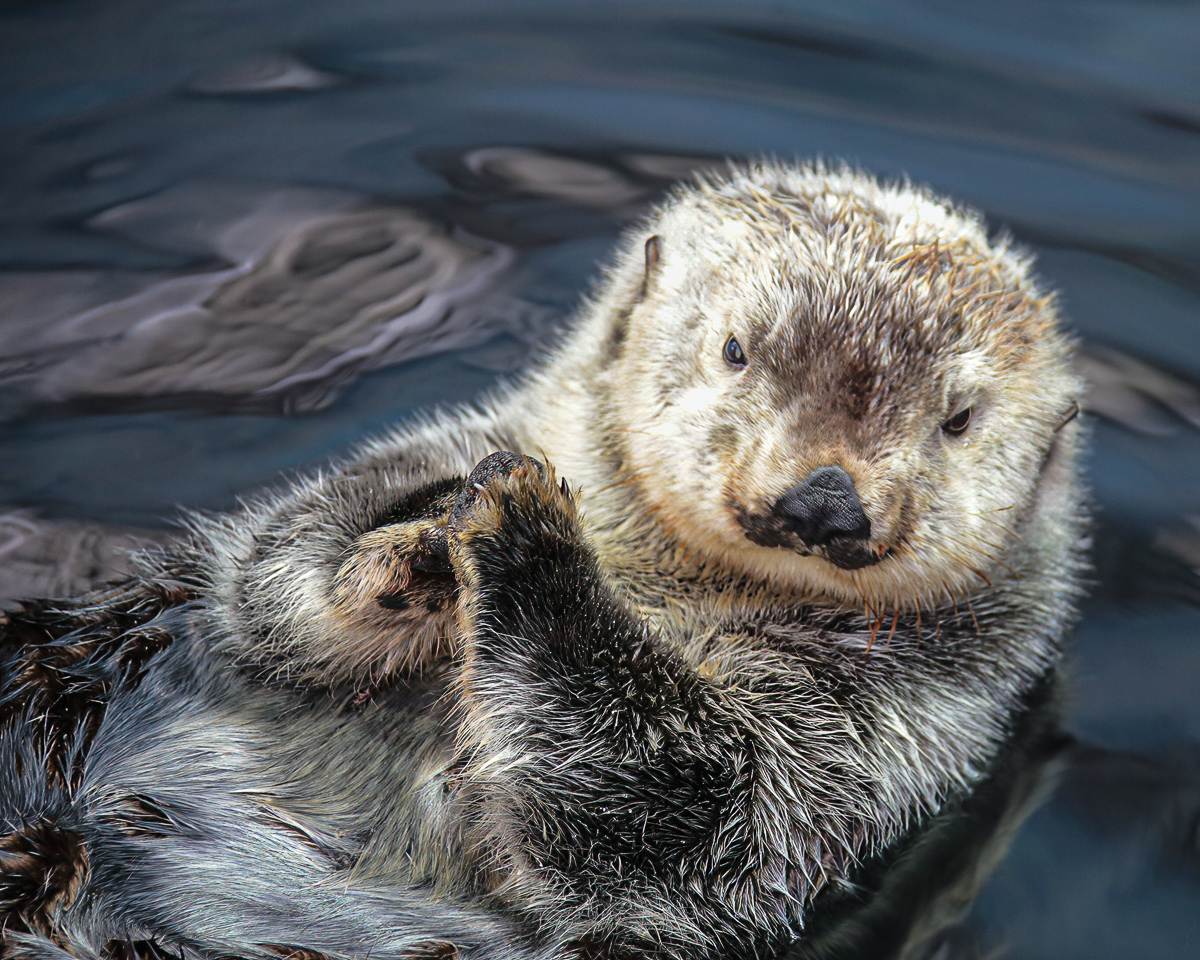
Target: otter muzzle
{"x": 824, "y": 508}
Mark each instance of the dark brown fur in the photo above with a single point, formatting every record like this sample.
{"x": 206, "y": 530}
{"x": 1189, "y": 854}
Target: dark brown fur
{"x": 69, "y": 656}
{"x": 41, "y": 868}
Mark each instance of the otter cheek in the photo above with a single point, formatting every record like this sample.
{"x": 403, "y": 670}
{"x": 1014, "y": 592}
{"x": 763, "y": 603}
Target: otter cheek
{"x": 678, "y": 469}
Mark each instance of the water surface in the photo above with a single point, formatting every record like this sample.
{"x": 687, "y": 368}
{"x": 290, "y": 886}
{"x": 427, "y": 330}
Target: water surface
{"x": 455, "y": 170}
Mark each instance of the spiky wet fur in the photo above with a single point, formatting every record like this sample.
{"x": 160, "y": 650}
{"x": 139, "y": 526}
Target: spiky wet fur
{"x": 400, "y": 709}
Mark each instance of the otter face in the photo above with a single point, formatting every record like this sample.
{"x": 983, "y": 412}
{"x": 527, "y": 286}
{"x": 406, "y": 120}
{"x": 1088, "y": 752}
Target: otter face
{"x": 843, "y": 386}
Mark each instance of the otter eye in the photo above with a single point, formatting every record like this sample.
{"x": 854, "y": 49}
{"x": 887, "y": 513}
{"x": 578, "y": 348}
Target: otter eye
{"x": 957, "y": 425}
{"x": 733, "y": 353}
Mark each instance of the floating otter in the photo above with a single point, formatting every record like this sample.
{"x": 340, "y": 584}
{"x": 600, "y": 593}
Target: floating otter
{"x": 811, "y": 564}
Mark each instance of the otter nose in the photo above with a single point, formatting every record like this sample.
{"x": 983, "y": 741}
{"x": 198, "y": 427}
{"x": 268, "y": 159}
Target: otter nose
{"x": 823, "y": 507}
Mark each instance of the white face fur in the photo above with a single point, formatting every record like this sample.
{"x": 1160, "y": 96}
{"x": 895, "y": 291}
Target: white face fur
{"x": 875, "y": 331}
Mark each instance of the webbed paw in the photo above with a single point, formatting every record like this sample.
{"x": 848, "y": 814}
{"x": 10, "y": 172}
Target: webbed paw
{"x": 399, "y": 587}
{"x": 399, "y": 566}
{"x": 395, "y": 594}
{"x": 511, "y": 512}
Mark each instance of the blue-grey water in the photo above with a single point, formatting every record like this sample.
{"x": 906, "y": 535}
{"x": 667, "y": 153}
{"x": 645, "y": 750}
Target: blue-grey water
{"x": 161, "y": 345}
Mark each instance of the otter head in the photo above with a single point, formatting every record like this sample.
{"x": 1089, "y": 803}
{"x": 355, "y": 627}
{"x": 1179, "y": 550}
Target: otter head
{"x": 840, "y": 384}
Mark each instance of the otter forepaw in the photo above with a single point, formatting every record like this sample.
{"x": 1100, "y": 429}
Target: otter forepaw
{"x": 399, "y": 566}
{"x": 396, "y": 598}
{"x": 512, "y": 510}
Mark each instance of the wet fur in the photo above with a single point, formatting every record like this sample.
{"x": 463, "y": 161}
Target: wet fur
{"x": 401, "y": 705}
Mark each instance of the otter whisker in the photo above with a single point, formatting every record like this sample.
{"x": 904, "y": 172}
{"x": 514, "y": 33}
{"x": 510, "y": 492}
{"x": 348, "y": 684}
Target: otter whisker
{"x": 978, "y": 631}
{"x": 954, "y": 603}
{"x": 1004, "y": 527}
{"x": 874, "y": 631}
{"x": 982, "y": 576}
{"x": 1011, "y": 506}
{"x": 892, "y": 632}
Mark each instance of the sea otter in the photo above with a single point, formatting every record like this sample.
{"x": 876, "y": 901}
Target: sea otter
{"x": 657, "y": 651}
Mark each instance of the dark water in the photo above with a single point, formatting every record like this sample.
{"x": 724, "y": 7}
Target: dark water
{"x": 158, "y": 156}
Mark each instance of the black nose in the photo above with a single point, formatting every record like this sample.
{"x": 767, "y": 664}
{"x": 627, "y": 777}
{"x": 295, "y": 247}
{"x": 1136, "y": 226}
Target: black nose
{"x": 823, "y": 507}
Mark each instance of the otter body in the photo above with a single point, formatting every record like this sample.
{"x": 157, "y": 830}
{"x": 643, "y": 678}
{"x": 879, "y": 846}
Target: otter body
{"x": 782, "y": 551}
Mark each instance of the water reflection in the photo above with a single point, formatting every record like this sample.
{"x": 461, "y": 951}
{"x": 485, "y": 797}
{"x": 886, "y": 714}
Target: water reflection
{"x": 309, "y": 289}
{"x": 235, "y": 243}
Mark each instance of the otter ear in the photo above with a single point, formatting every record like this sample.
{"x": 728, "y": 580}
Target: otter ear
{"x": 616, "y": 337}
{"x": 653, "y": 254}
{"x": 1071, "y": 414}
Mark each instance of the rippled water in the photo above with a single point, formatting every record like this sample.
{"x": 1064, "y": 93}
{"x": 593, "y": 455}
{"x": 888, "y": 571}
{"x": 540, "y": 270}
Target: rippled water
{"x": 236, "y": 236}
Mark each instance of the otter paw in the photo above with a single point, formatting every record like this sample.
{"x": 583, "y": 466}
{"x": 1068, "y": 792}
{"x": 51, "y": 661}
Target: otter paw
{"x": 510, "y": 507}
{"x": 396, "y": 599}
{"x": 399, "y": 566}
